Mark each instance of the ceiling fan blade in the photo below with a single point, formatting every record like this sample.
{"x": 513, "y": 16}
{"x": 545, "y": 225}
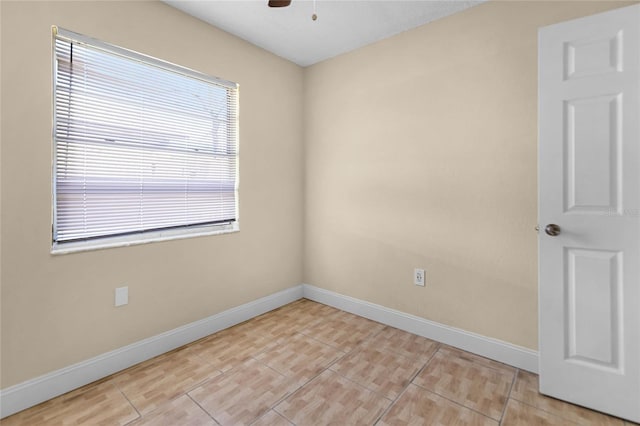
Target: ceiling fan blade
{"x": 279, "y": 3}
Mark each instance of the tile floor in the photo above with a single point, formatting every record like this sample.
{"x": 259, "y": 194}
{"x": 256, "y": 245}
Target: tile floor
{"x": 310, "y": 364}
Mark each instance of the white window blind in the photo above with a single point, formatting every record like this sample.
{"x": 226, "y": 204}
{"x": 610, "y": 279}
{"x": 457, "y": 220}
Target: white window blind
{"x": 140, "y": 145}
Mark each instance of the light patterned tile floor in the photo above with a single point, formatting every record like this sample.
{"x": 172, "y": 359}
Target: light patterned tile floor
{"x": 525, "y": 390}
{"x": 153, "y": 383}
{"x": 331, "y": 399}
{"x": 229, "y": 348}
{"x": 100, "y": 403}
{"x": 272, "y": 419}
{"x": 243, "y": 395}
{"x": 182, "y": 410}
{"x": 343, "y": 330}
{"x": 406, "y": 344}
{"x": 308, "y": 364}
{"x": 380, "y": 370}
{"x": 468, "y": 381}
{"x": 417, "y": 407}
{"x": 300, "y": 357}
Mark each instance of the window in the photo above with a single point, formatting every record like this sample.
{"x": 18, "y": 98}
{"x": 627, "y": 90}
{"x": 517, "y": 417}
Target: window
{"x": 143, "y": 150}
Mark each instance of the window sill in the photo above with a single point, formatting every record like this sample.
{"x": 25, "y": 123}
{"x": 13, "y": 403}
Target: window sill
{"x": 142, "y": 238}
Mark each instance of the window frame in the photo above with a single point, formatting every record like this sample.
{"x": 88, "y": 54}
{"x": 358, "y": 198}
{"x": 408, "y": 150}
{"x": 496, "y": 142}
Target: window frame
{"x": 142, "y": 236}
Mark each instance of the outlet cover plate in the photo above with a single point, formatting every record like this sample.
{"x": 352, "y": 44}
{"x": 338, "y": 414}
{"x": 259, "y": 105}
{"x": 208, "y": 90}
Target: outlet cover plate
{"x": 418, "y": 277}
{"x": 122, "y": 296}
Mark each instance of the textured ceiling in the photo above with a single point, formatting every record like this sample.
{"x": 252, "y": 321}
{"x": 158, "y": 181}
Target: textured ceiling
{"x": 341, "y": 26}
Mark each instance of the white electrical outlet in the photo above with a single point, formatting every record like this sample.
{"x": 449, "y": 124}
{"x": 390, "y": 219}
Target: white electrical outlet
{"x": 418, "y": 277}
{"x": 122, "y": 296}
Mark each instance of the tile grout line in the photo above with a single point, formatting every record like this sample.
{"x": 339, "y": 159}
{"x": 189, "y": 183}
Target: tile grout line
{"x": 202, "y": 408}
{"x": 558, "y": 415}
{"x": 456, "y": 403}
{"x": 406, "y": 357}
{"x": 283, "y": 416}
{"x": 372, "y": 390}
{"x": 320, "y": 341}
{"x": 409, "y": 383}
{"x": 130, "y": 403}
{"x": 338, "y": 347}
{"x": 506, "y": 402}
{"x": 549, "y": 412}
{"x": 267, "y": 413}
{"x": 386, "y": 410}
{"x": 404, "y": 390}
{"x": 234, "y": 370}
{"x": 327, "y": 367}
{"x": 465, "y": 356}
{"x": 323, "y": 368}
{"x": 362, "y": 386}
{"x": 184, "y": 392}
{"x": 315, "y": 377}
{"x": 273, "y": 407}
{"x": 202, "y": 383}
{"x": 352, "y": 350}
{"x": 449, "y": 399}
{"x": 287, "y": 395}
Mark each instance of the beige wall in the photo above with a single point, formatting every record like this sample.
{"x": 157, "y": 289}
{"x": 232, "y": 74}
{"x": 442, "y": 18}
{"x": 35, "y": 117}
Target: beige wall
{"x": 57, "y": 310}
{"x": 421, "y": 152}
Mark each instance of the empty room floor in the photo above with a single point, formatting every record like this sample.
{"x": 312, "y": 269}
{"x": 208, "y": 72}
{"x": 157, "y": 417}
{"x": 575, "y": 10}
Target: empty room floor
{"x": 310, "y": 364}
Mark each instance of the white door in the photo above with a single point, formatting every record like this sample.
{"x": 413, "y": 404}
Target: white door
{"x": 589, "y": 183}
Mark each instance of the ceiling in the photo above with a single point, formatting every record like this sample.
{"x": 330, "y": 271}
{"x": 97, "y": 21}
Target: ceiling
{"x": 341, "y": 26}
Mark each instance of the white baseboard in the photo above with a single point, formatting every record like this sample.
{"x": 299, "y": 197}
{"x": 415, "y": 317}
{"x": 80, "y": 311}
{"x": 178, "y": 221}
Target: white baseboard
{"x": 35, "y": 391}
{"x": 517, "y": 356}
